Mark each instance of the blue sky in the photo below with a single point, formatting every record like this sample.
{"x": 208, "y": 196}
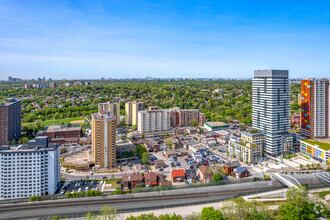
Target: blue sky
{"x": 123, "y": 39}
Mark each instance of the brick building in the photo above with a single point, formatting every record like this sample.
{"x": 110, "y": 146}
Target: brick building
{"x": 10, "y": 120}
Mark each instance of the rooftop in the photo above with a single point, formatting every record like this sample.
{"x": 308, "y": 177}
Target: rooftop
{"x": 271, "y": 73}
{"x": 215, "y": 123}
{"x": 103, "y": 115}
{"x": 323, "y": 144}
{"x": 58, "y": 128}
{"x": 178, "y": 173}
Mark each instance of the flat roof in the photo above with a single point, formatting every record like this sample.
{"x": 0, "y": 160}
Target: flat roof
{"x": 58, "y": 128}
{"x": 103, "y": 115}
{"x": 271, "y": 73}
{"x": 323, "y": 144}
{"x": 215, "y": 123}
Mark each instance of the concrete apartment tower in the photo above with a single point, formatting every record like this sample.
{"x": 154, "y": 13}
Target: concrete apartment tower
{"x": 131, "y": 112}
{"x": 10, "y": 120}
{"x": 157, "y": 120}
{"x": 271, "y": 108}
{"x": 104, "y": 139}
{"x": 114, "y": 109}
{"x": 315, "y": 108}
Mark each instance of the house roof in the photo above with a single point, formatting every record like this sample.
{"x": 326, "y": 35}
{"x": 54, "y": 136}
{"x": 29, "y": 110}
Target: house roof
{"x": 132, "y": 177}
{"x": 150, "y": 176}
{"x": 178, "y": 173}
{"x": 191, "y": 173}
{"x": 160, "y": 162}
{"x": 240, "y": 170}
{"x": 233, "y": 164}
{"x": 205, "y": 170}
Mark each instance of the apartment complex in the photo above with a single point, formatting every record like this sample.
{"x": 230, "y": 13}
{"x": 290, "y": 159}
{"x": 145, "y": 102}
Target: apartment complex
{"x": 271, "y": 108}
{"x": 29, "y": 170}
{"x": 154, "y": 120}
{"x": 183, "y": 117}
{"x": 315, "y": 108}
{"x": 10, "y": 120}
{"x": 131, "y": 112}
{"x": 104, "y": 139}
{"x": 253, "y": 137}
{"x": 316, "y": 149}
{"x": 114, "y": 109}
{"x": 245, "y": 151}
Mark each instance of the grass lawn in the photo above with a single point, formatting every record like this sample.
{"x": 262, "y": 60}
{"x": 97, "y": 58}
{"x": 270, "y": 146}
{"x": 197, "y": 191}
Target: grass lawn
{"x": 323, "y": 144}
{"x": 322, "y": 194}
{"x": 60, "y": 121}
{"x": 113, "y": 183}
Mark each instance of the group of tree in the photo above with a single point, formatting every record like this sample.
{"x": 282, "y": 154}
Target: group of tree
{"x": 139, "y": 150}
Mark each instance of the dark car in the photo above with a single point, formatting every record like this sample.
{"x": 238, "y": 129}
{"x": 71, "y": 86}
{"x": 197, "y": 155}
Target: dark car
{"x": 178, "y": 164}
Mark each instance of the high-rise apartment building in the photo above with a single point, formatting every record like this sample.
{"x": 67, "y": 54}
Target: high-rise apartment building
{"x": 10, "y": 120}
{"x": 315, "y": 108}
{"x": 114, "y": 109}
{"x": 104, "y": 139}
{"x": 271, "y": 108}
{"x": 183, "y": 117}
{"x": 131, "y": 112}
{"x": 29, "y": 170}
{"x": 154, "y": 120}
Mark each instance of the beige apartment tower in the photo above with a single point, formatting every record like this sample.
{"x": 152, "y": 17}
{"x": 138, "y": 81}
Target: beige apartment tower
{"x": 114, "y": 109}
{"x": 131, "y": 112}
{"x": 104, "y": 139}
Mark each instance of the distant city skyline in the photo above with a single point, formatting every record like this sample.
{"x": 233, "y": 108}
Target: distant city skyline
{"x": 163, "y": 39}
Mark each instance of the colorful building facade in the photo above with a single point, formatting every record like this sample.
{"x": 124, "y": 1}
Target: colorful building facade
{"x": 316, "y": 150}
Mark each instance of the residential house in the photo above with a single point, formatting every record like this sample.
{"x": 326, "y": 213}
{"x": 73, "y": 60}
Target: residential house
{"x": 229, "y": 167}
{"x": 178, "y": 175}
{"x": 241, "y": 172}
{"x": 205, "y": 173}
{"x": 132, "y": 181}
{"x": 150, "y": 179}
{"x": 191, "y": 176}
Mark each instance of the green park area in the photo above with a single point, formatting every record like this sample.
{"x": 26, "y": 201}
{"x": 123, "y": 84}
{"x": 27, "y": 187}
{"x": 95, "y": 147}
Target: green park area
{"x": 60, "y": 121}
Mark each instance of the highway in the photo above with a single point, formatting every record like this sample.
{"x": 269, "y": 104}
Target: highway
{"x": 124, "y": 203}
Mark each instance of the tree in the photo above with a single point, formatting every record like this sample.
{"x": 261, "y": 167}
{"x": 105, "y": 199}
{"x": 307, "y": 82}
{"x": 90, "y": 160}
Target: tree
{"x": 308, "y": 166}
{"x": 108, "y": 213}
{"x": 318, "y": 166}
{"x": 145, "y": 157}
{"x": 313, "y": 166}
{"x": 123, "y": 137}
{"x": 209, "y": 213}
{"x": 143, "y": 136}
{"x": 140, "y": 149}
{"x": 193, "y": 123}
{"x": 25, "y": 140}
{"x": 14, "y": 142}
{"x": 169, "y": 142}
{"x": 90, "y": 216}
{"x": 301, "y": 166}
{"x": 55, "y": 217}
{"x": 266, "y": 177}
{"x": 217, "y": 177}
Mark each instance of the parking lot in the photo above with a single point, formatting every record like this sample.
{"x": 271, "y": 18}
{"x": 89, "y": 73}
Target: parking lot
{"x": 78, "y": 186}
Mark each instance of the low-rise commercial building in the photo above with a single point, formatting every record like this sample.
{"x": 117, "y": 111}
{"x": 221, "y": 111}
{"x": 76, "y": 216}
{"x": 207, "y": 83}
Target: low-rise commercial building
{"x": 62, "y": 134}
{"x": 316, "y": 149}
{"x": 215, "y": 125}
{"x": 29, "y": 170}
